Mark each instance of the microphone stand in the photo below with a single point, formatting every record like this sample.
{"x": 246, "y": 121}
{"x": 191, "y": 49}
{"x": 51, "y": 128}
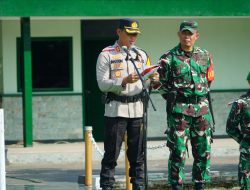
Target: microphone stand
{"x": 146, "y": 98}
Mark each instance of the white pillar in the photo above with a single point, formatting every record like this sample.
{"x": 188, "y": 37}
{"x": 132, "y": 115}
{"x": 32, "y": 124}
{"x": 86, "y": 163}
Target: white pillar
{"x": 2, "y": 153}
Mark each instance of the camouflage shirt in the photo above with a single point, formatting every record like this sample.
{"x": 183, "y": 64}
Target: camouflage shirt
{"x": 189, "y": 74}
{"x": 238, "y": 122}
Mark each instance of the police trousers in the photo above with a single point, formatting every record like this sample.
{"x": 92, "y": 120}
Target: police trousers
{"x": 181, "y": 129}
{"x": 115, "y": 128}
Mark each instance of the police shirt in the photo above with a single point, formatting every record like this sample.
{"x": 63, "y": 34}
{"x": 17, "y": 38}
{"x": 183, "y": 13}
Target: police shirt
{"x": 113, "y": 64}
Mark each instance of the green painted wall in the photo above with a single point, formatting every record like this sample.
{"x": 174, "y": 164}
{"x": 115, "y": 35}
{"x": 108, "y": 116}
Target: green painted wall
{"x": 1, "y": 59}
{"x": 124, "y": 8}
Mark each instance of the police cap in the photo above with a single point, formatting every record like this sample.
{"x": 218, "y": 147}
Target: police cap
{"x": 131, "y": 26}
{"x": 190, "y": 25}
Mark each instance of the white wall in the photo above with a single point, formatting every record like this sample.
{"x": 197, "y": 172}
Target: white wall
{"x": 226, "y": 38}
{"x": 39, "y": 28}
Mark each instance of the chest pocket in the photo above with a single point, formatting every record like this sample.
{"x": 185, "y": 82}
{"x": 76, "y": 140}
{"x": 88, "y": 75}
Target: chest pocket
{"x": 246, "y": 111}
{"x": 181, "y": 75}
{"x": 203, "y": 71}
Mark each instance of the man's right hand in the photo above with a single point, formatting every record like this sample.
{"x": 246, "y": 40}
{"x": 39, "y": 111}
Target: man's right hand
{"x": 133, "y": 77}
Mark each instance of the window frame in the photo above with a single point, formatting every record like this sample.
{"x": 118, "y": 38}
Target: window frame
{"x": 70, "y": 61}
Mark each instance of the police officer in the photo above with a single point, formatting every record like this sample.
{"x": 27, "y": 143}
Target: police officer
{"x": 186, "y": 72}
{"x": 116, "y": 76}
{"x": 238, "y": 127}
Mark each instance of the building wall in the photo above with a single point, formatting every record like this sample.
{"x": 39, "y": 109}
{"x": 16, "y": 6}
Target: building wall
{"x": 39, "y": 28}
{"x": 59, "y": 116}
{"x": 226, "y": 38}
{"x": 54, "y": 117}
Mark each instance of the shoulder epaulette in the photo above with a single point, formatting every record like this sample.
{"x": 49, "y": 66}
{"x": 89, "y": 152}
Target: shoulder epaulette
{"x": 142, "y": 51}
{"x": 108, "y": 49}
{"x": 199, "y": 49}
{"x": 166, "y": 54}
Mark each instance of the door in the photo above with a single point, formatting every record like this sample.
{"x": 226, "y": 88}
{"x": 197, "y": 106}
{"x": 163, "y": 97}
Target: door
{"x": 96, "y": 35}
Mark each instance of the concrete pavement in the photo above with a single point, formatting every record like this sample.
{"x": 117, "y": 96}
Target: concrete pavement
{"x": 225, "y": 153}
{"x": 65, "y": 152}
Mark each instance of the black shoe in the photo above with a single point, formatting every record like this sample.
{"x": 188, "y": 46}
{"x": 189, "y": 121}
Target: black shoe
{"x": 137, "y": 187}
{"x": 108, "y": 188}
{"x": 199, "y": 186}
{"x": 177, "y": 187}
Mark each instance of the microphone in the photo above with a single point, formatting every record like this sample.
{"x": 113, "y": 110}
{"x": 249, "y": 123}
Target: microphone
{"x": 138, "y": 54}
{"x": 125, "y": 48}
{"x": 135, "y": 50}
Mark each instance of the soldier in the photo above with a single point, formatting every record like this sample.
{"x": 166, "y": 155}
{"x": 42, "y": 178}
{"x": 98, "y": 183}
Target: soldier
{"x": 238, "y": 127}
{"x": 116, "y": 76}
{"x": 186, "y": 73}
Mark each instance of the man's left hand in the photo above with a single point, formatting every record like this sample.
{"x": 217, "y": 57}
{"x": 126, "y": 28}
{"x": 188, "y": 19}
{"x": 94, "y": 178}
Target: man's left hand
{"x": 154, "y": 77}
{"x": 155, "y": 83}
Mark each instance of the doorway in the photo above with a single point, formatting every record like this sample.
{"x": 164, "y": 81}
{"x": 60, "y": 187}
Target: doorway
{"x": 96, "y": 35}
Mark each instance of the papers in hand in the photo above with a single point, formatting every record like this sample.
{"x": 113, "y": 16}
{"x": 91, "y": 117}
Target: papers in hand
{"x": 149, "y": 71}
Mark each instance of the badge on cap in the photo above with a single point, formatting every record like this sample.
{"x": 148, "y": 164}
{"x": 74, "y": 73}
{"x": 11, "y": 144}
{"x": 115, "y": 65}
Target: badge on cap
{"x": 134, "y": 25}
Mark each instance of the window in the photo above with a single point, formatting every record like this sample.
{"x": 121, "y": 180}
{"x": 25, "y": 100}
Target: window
{"x": 51, "y": 64}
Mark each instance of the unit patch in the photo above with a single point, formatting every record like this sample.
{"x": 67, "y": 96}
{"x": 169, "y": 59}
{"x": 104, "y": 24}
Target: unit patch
{"x": 118, "y": 74}
{"x": 139, "y": 65}
{"x": 116, "y": 61}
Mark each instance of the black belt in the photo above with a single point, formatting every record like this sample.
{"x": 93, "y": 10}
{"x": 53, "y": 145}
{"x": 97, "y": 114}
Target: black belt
{"x": 125, "y": 99}
{"x": 190, "y": 99}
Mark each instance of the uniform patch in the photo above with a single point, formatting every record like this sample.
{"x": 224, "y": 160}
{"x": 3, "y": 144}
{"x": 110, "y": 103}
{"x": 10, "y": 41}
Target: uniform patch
{"x": 118, "y": 74}
{"x": 210, "y": 73}
{"x": 116, "y": 66}
{"x": 139, "y": 65}
{"x": 116, "y": 57}
{"x": 116, "y": 61}
{"x": 148, "y": 62}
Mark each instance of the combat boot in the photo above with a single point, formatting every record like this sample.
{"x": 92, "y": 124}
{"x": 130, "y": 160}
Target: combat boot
{"x": 199, "y": 186}
{"x": 137, "y": 187}
{"x": 177, "y": 187}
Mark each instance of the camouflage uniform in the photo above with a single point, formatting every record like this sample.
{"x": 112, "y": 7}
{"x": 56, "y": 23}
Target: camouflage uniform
{"x": 189, "y": 75}
{"x": 239, "y": 129}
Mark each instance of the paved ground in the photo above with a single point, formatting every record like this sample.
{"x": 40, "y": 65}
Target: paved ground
{"x": 58, "y": 166}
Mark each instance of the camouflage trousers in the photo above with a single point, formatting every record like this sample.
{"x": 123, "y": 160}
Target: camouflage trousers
{"x": 181, "y": 129}
{"x": 244, "y": 171}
